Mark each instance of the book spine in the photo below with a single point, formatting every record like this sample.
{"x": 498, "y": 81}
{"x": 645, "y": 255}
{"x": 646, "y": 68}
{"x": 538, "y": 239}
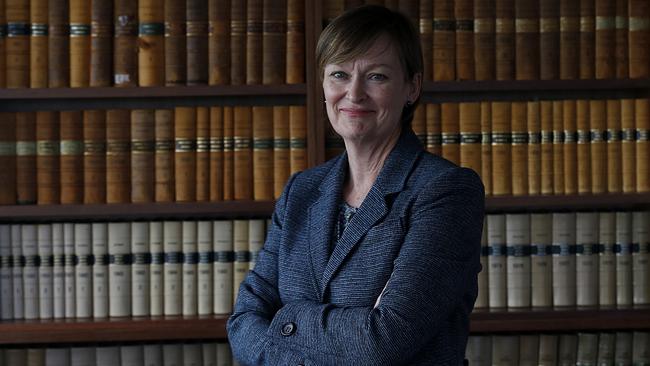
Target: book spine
{"x": 450, "y": 132}
{"x": 518, "y": 270}
{"x": 486, "y": 146}
{"x": 274, "y": 42}
{"x": 546, "y": 146}
{"x": 58, "y": 49}
{"x": 219, "y": 42}
{"x": 18, "y": 266}
{"x": 528, "y": 349}
{"x": 8, "y": 158}
{"x": 152, "y": 355}
{"x": 191, "y": 354}
{"x": 254, "y": 48}
{"x": 482, "y": 299}
{"x": 606, "y": 344}
{"x": 569, "y": 147}
{"x": 496, "y": 236}
{"x": 639, "y": 38}
{"x": 119, "y": 269}
{"x": 3, "y": 45}
{"x": 185, "y": 155}
{"x": 598, "y": 152}
{"x": 25, "y": 158}
{"x": 484, "y": 39}
{"x": 606, "y": 259}
{"x": 216, "y": 154}
{"x": 641, "y": 257}
{"x": 156, "y": 280}
{"x": 263, "y": 153}
{"x": 242, "y": 156}
{"x": 587, "y": 39}
{"x": 541, "y": 226}
{"x": 118, "y": 157}
{"x": 6, "y": 268}
{"x": 295, "y": 42}
{"x": 527, "y": 39}
{"x": 175, "y": 43}
{"x": 549, "y": 39}
{"x": 29, "y": 243}
{"x": 35, "y": 356}
{"x": 569, "y": 39}
{"x": 587, "y": 352}
{"x": 444, "y": 41}
{"x": 242, "y": 254}
{"x": 425, "y": 27}
{"x": 45, "y": 271}
{"x": 505, "y": 349}
{"x": 125, "y": 48}
{"x": 151, "y": 43}
{"x": 640, "y": 341}
{"x": 534, "y": 148}
{"x": 464, "y": 39}
{"x": 56, "y": 356}
{"x": 140, "y": 269}
{"x": 224, "y": 354}
{"x": 172, "y": 275}
{"x": 564, "y": 260}
{"x": 132, "y": 355}
{"x": 223, "y": 280}
{"x": 205, "y": 297}
{"x": 298, "y": 138}
{"x": 82, "y": 356}
{"x": 623, "y": 348}
{"x": 197, "y": 42}
{"x": 281, "y": 145}
{"x": 70, "y": 263}
{"x": 173, "y": 354}
{"x": 613, "y": 141}
{"x": 164, "y": 155}
{"x": 501, "y": 149}
{"x": 38, "y": 17}
{"x": 255, "y": 239}
{"x": 47, "y": 157}
{"x": 101, "y": 42}
{"x": 189, "y": 267}
{"x": 519, "y": 148}
{"x": 583, "y": 147}
{"x": 587, "y": 259}
{"x": 202, "y": 153}
{"x": 58, "y": 271}
{"x": 107, "y": 355}
{"x": 605, "y": 39}
{"x": 83, "y": 270}
{"x": 628, "y": 151}
{"x": 470, "y": 135}
{"x": 622, "y": 31}
{"x": 238, "y": 42}
{"x": 209, "y": 353}
{"x": 623, "y": 252}
{"x": 642, "y": 121}
{"x": 228, "y": 153}
{"x": 558, "y": 147}
{"x": 479, "y": 350}
{"x": 71, "y": 160}
{"x": 142, "y": 155}
{"x": 94, "y": 156}
{"x": 17, "y": 43}
{"x": 80, "y": 43}
{"x": 505, "y": 39}
{"x": 100, "y": 276}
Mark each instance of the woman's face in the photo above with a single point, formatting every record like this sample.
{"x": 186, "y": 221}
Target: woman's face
{"x": 365, "y": 96}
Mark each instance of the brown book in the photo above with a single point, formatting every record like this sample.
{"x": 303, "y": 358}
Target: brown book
{"x": 3, "y": 46}
{"x": 142, "y": 155}
{"x": 175, "y": 43}
{"x": 628, "y": 142}
{"x": 38, "y": 16}
{"x": 228, "y": 153}
{"x": 501, "y": 149}
{"x": 281, "y": 155}
{"x": 197, "y": 42}
{"x": 598, "y": 151}
{"x": 254, "y": 14}
{"x": 26, "y": 158}
{"x": 546, "y": 146}
{"x": 238, "y": 42}
{"x": 549, "y": 39}
{"x": 58, "y": 48}
{"x": 519, "y": 149}
{"x": 151, "y": 44}
{"x": 639, "y": 38}
{"x": 118, "y": 159}
{"x": 484, "y": 38}
{"x": 534, "y": 149}
{"x": 583, "y": 147}
{"x": 605, "y": 57}
{"x": 444, "y": 41}
{"x": 434, "y": 129}
{"x": 71, "y": 161}
{"x": 558, "y": 147}
{"x": 185, "y": 156}
{"x": 464, "y": 19}
{"x": 486, "y": 146}
{"x": 298, "y": 138}
{"x": 406, "y": 7}
{"x": 569, "y": 152}
{"x": 295, "y": 65}
{"x": 17, "y": 43}
{"x": 8, "y": 158}
{"x": 219, "y": 42}
{"x": 202, "y": 153}
{"x": 263, "y": 153}
{"x": 642, "y": 120}
{"x": 94, "y": 166}
{"x": 274, "y": 42}
{"x": 425, "y": 25}
{"x": 242, "y": 157}
{"x": 79, "y": 44}
{"x": 469, "y": 116}
{"x": 101, "y": 42}
{"x": 450, "y": 128}
{"x": 569, "y": 39}
{"x": 587, "y": 68}
{"x": 164, "y": 155}
{"x": 125, "y": 48}
{"x": 505, "y": 39}
{"x": 332, "y": 9}
{"x": 419, "y": 123}
{"x": 613, "y": 139}
{"x": 47, "y": 157}
{"x": 622, "y": 29}
{"x": 527, "y": 39}
{"x": 216, "y": 153}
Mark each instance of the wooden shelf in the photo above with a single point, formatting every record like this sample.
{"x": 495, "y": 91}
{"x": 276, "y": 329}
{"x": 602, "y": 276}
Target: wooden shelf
{"x": 559, "y": 320}
{"x": 113, "y": 330}
{"x": 559, "y": 203}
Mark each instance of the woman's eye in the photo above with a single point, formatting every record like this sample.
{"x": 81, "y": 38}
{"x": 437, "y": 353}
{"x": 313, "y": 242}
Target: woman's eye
{"x": 338, "y": 75}
{"x": 377, "y": 77}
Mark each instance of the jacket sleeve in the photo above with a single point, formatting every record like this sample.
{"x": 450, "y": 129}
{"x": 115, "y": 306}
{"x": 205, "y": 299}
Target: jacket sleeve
{"x": 258, "y": 299}
{"x": 433, "y": 276}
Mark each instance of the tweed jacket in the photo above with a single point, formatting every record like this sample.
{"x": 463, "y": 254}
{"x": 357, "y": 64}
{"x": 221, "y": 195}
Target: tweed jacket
{"x": 398, "y": 286}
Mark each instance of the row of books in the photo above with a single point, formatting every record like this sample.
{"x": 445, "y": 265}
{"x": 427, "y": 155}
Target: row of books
{"x": 146, "y": 155}
{"x": 123, "y": 269}
{"x": 524, "y": 39}
{"x": 122, "y": 43}
{"x": 568, "y": 349}
{"x": 565, "y": 259}
{"x": 154, "y": 354}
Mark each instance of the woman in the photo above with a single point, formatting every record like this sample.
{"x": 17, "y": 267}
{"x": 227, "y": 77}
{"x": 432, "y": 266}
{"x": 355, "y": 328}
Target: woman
{"x": 372, "y": 257}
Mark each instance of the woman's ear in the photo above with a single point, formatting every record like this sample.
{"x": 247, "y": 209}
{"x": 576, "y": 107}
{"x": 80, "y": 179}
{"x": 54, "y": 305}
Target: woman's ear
{"x": 415, "y": 87}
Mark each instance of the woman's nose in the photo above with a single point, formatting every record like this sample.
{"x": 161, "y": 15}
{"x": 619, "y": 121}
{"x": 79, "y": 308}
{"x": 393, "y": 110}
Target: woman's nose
{"x": 356, "y": 90}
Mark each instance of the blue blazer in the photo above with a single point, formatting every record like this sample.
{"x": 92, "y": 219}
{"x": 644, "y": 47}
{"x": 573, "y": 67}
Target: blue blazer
{"x": 415, "y": 240}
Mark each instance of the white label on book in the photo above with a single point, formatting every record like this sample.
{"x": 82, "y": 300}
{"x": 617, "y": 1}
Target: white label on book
{"x": 541, "y": 227}
{"x": 45, "y": 271}
{"x": 564, "y": 261}
{"x": 172, "y": 268}
{"x": 140, "y": 286}
{"x": 30, "y": 272}
{"x": 156, "y": 299}
{"x": 119, "y": 268}
{"x": 497, "y": 260}
{"x": 58, "y": 271}
{"x": 83, "y": 270}
{"x": 222, "y": 233}
{"x": 204, "y": 267}
{"x": 190, "y": 260}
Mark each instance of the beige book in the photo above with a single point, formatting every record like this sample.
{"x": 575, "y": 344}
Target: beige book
{"x": 501, "y": 149}
{"x": 140, "y": 269}
{"x": 548, "y": 347}
{"x": 587, "y": 259}
{"x": 598, "y": 151}
{"x": 152, "y": 354}
{"x": 518, "y": 260}
{"x": 470, "y": 136}
{"x": 569, "y": 153}
{"x": 190, "y": 259}
{"x": 564, "y": 260}
{"x": 534, "y": 149}
{"x": 587, "y": 349}
{"x": 613, "y": 139}
{"x": 558, "y": 147}
{"x": 482, "y": 297}
{"x": 119, "y": 269}
{"x": 222, "y": 245}
{"x": 209, "y": 353}
{"x": 606, "y": 344}
{"x": 434, "y": 128}
{"x": 628, "y": 145}
{"x": 606, "y": 259}
{"x": 17, "y": 272}
{"x": 505, "y": 350}
{"x": 204, "y": 268}
{"x": 56, "y": 357}
{"x": 519, "y": 148}
{"x": 641, "y": 348}
{"x": 242, "y": 254}
{"x": 642, "y": 117}
{"x": 15, "y": 356}
{"x": 641, "y": 257}
{"x": 479, "y": 350}
{"x": 583, "y": 147}
{"x": 156, "y": 270}
{"x": 450, "y": 132}
{"x": 623, "y": 252}
{"x": 528, "y": 349}
{"x": 172, "y": 275}
{"x": 106, "y": 356}
{"x": 546, "y": 146}
{"x": 496, "y": 224}
{"x": 623, "y": 349}
{"x": 568, "y": 350}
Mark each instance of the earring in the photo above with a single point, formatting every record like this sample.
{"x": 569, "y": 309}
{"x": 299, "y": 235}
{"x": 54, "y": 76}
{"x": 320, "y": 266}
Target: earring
{"x": 408, "y": 103}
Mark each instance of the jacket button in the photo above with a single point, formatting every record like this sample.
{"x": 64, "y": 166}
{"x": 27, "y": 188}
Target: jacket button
{"x": 288, "y": 329}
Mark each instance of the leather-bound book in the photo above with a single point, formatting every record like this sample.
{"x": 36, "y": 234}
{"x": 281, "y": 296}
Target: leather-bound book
{"x": 202, "y": 153}
{"x": 47, "y": 158}
{"x": 281, "y": 162}
{"x": 242, "y": 157}
{"x": 425, "y": 25}
{"x": 583, "y": 146}
{"x": 464, "y": 19}
{"x": 613, "y": 139}
{"x": 238, "y": 42}
{"x": 569, "y": 39}
{"x": 58, "y": 48}
{"x": 219, "y": 42}
{"x": 295, "y": 65}
{"x": 228, "y": 153}
{"x": 79, "y": 43}
{"x": 484, "y": 39}
{"x": 519, "y": 149}
{"x": 118, "y": 156}
{"x": 298, "y": 138}
{"x": 17, "y": 43}
{"x": 197, "y": 42}
{"x": 175, "y": 43}
{"x": 164, "y": 155}
{"x": 25, "y": 157}
{"x": 94, "y": 165}
{"x": 558, "y": 147}
{"x": 639, "y": 38}
{"x": 598, "y": 124}
{"x": 527, "y": 39}
{"x": 262, "y": 153}
{"x": 469, "y": 117}
{"x": 419, "y": 123}
{"x": 101, "y": 42}
{"x": 254, "y": 14}
{"x": 642, "y": 118}
{"x": 549, "y": 39}
{"x": 534, "y": 150}
{"x": 72, "y": 148}
{"x": 216, "y": 153}
{"x": 185, "y": 156}
{"x": 501, "y": 149}
{"x": 38, "y": 17}
{"x": 586, "y": 69}
{"x": 151, "y": 43}
{"x": 622, "y": 30}
{"x": 628, "y": 144}
{"x": 605, "y": 58}
{"x": 3, "y": 47}
{"x": 142, "y": 155}
{"x": 450, "y": 132}
{"x": 505, "y": 39}
{"x": 444, "y": 41}
{"x": 486, "y": 146}
{"x": 570, "y": 145}
{"x": 274, "y": 42}
{"x": 8, "y": 158}
{"x": 125, "y": 47}
{"x": 546, "y": 146}
{"x": 434, "y": 128}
